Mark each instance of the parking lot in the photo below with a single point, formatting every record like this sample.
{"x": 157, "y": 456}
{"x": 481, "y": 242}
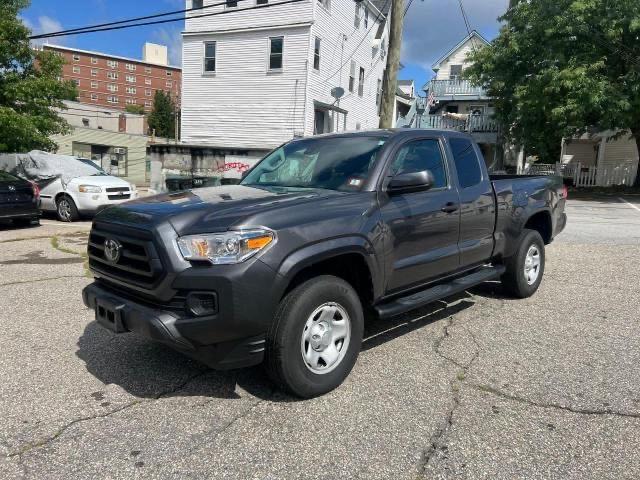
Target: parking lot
{"x": 482, "y": 386}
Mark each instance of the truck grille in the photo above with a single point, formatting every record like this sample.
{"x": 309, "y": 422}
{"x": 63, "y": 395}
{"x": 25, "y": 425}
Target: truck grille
{"x": 138, "y": 261}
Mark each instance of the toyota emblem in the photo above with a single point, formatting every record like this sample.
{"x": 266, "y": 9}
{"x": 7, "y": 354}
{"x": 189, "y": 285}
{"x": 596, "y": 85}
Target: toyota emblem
{"x": 112, "y": 250}
{"x": 12, "y": 188}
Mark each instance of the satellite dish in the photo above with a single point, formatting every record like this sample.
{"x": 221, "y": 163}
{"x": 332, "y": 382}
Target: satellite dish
{"x": 337, "y": 92}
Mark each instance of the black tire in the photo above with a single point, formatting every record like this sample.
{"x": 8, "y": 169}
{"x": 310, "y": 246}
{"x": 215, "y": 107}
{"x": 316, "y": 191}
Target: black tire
{"x": 515, "y": 280}
{"x": 66, "y": 209}
{"x": 284, "y": 358}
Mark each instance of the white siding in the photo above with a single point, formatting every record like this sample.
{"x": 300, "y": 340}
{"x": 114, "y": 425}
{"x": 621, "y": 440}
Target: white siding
{"x": 300, "y": 12}
{"x": 620, "y": 152}
{"x": 330, "y": 26}
{"x": 459, "y": 57}
{"x": 243, "y": 104}
{"x": 584, "y": 152}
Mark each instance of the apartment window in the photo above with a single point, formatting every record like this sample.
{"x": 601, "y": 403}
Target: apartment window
{"x": 356, "y": 21}
{"x": 147, "y": 104}
{"x": 132, "y": 90}
{"x": 147, "y": 69}
{"x": 196, "y": 4}
{"x": 94, "y": 97}
{"x": 76, "y": 58}
{"x": 262, "y": 2}
{"x": 209, "y": 57}
{"x": 169, "y": 74}
{"x": 316, "y": 55}
{"x": 276, "y": 47}
{"x": 94, "y": 72}
{"x": 366, "y": 17}
{"x": 352, "y": 76}
{"x": 232, "y": 3}
{"x": 112, "y": 87}
{"x": 76, "y": 82}
{"x": 147, "y": 81}
{"x": 131, "y": 67}
{"x": 94, "y": 60}
{"x": 131, "y": 101}
{"x": 112, "y": 75}
{"x": 325, "y": 3}
{"x": 169, "y": 84}
{"x": 361, "y": 83}
{"x": 94, "y": 84}
{"x": 76, "y": 69}
{"x": 148, "y": 92}
{"x": 456, "y": 72}
{"x": 112, "y": 64}
{"x": 112, "y": 99}
{"x": 131, "y": 78}
{"x": 379, "y": 92}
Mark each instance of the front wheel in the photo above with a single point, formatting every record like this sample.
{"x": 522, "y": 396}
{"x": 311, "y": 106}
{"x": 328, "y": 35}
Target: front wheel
{"x": 316, "y": 337}
{"x": 526, "y": 268}
{"x": 66, "y": 209}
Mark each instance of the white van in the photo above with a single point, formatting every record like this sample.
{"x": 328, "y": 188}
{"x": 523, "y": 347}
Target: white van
{"x": 85, "y": 195}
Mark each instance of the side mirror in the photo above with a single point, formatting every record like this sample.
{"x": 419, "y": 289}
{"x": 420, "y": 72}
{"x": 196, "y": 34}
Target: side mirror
{"x": 411, "y": 182}
{"x": 244, "y": 174}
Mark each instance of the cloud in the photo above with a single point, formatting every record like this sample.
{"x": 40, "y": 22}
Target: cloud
{"x": 172, "y": 38}
{"x": 432, "y": 27}
{"x": 45, "y": 24}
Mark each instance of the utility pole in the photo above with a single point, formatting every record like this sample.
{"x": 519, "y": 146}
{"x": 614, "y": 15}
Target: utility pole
{"x": 390, "y": 81}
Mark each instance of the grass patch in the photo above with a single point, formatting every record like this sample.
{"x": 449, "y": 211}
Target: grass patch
{"x": 55, "y": 243}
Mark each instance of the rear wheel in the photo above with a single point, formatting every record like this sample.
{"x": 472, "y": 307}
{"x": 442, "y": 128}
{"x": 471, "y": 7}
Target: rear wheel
{"x": 316, "y": 336}
{"x": 66, "y": 209}
{"x": 526, "y": 268}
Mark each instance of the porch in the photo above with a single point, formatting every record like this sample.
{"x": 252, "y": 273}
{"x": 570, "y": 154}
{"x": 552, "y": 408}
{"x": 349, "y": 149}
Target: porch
{"x": 457, "y": 89}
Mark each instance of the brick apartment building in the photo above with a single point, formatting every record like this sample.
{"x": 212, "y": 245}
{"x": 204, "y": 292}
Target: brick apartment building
{"x": 116, "y": 82}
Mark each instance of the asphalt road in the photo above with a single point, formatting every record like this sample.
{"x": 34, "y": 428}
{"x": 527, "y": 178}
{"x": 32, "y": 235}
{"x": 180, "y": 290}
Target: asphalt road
{"x": 481, "y": 386}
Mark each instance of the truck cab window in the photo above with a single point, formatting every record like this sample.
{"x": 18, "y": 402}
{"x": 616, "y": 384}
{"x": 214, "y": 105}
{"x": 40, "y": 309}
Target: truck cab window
{"x": 419, "y": 156}
{"x": 466, "y": 161}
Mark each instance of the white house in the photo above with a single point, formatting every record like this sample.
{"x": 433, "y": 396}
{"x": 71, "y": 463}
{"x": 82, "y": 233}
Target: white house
{"x": 257, "y": 78}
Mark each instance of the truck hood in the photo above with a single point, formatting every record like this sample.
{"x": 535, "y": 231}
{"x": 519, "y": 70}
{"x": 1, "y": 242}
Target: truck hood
{"x": 211, "y": 209}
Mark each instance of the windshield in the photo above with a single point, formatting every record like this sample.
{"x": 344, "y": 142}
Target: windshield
{"x": 99, "y": 171}
{"x": 333, "y": 163}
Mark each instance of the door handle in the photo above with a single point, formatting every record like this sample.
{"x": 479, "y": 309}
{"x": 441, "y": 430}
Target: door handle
{"x": 450, "y": 207}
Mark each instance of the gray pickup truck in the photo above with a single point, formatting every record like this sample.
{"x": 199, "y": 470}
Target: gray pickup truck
{"x": 322, "y": 233}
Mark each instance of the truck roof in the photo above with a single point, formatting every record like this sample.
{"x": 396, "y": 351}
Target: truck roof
{"x": 395, "y": 132}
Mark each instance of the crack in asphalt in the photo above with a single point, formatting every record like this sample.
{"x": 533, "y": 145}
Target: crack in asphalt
{"x": 555, "y": 406}
{"x": 20, "y": 452}
{"x": 39, "y": 280}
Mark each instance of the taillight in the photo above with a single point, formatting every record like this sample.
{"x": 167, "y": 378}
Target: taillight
{"x": 36, "y": 190}
{"x": 565, "y": 192}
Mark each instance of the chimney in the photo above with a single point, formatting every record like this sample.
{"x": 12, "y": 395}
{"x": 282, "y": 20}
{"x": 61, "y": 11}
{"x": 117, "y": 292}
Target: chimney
{"x": 157, "y": 54}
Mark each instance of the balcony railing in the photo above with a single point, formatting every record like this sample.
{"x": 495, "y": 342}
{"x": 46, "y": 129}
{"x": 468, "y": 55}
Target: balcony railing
{"x": 473, "y": 123}
{"x": 453, "y": 88}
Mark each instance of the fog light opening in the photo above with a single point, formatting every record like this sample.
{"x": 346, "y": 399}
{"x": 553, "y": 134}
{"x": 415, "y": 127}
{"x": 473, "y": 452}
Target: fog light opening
{"x": 201, "y": 304}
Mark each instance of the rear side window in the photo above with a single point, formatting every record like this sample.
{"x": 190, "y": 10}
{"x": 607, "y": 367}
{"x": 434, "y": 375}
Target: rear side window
{"x": 419, "y": 156}
{"x": 467, "y": 162}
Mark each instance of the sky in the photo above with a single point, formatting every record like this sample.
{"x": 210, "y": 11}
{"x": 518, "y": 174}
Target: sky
{"x": 432, "y": 27}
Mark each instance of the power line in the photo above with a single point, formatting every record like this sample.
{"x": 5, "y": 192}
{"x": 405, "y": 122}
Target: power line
{"x": 120, "y": 22}
{"x": 407, "y": 8}
{"x": 170, "y": 20}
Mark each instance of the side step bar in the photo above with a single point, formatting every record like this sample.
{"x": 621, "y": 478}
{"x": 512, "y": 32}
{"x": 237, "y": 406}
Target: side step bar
{"x": 425, "y": 297}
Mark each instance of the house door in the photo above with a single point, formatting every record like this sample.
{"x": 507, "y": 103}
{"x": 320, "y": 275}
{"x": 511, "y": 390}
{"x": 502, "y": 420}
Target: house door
{"x": 320, "y": 122}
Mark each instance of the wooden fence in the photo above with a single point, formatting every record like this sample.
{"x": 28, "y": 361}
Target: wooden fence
{"x": 623, "y": 174}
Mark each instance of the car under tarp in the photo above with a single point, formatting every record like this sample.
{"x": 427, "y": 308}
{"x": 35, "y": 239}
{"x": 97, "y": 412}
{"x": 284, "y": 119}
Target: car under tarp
{"x": 43, "y": 167}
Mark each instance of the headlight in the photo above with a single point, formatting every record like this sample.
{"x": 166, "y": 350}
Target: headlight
{"x": 225, "y": 248}
{"x": 89, "y": 189}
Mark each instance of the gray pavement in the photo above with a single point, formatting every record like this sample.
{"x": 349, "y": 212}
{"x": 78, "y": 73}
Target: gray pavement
{"x": 480, "y": 386}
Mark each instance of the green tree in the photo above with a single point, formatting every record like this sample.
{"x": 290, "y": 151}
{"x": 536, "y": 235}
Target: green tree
{"x": 559, "y": 67}
{"x": 136, "y": 109}
{"x": 162, "y": 118}
{"x": 30, "y": 89}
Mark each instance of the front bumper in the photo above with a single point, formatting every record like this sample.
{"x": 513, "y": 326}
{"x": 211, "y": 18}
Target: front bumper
{"x": 120, "y": 315}
{"x": 92, "y": 203}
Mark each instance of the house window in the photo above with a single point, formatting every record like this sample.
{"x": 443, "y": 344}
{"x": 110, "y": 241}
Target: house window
{"x": 112, "y": 99}
{"x": 112, "y": 75}
{"x": 147, "y": 81}
{"x": 456, "y": 72}
{"x": 366, "y": 17}
{"x": 94, "y": 84}
{"x": 316, "y": 55}
{"x": 94, "y": 60}
{"x": 131, "y": 101}
{"x": 76, "y": 58}
{"x": 209, "y": 57}
{"x": 379, "y": 92}
{"x": 356, "y": 21}
{"x": 76, "y": 69}
{"x": 169, "y": 84}
{"x": 196, "y": 4}
{"x": 94, "y": 72}
{"x": 147, "y": 104}
{"x": 131, "y": 78}
{"x": 112, "y": 64}
{"x": 148, "y": 92}
{"x": 325, "y": 3}
{"x": 232, "y": 4}
{"x": 276, "y": 47}
{"x": 132, "y": 90}
{"x": 131, "y": 67}
{"x": 361, "y": 83}
{"x": 94, "y": 97}
{"x": 352, "y": 76}
{"x": 112, "y": 87}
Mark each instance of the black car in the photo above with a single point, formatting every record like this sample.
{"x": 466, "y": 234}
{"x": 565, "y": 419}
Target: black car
{"x": 19, "y": 200}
